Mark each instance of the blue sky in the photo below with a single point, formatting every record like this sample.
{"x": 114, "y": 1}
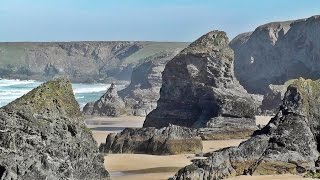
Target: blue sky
{"x": 154, "y": 20}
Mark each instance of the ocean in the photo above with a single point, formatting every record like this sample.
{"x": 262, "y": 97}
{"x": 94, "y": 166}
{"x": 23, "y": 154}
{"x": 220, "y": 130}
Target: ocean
{"x": 11, "y": 89}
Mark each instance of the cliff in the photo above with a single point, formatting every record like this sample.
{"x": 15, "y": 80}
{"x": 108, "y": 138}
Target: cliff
{"x": 79, "y": 61}
{"x": 277, "y": 52}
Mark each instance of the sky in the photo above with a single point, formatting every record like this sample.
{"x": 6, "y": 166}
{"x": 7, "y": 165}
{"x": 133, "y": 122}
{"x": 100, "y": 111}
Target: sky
{"x": 141, "y": 20}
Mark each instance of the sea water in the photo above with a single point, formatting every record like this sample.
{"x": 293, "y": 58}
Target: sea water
{"x": 11, "y": 89}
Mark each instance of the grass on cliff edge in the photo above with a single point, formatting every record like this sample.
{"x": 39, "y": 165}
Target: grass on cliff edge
{"x": 152, "y": 48}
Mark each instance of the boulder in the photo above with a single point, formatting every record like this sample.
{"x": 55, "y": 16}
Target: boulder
{"x": 43, "y": 136}
{"x": 110, "y": 104}
{"x": 277, "y": 52}
{"x": 288, "y": 144}
{"x": 168, "y": 140}
{"x": 200, "y": 90}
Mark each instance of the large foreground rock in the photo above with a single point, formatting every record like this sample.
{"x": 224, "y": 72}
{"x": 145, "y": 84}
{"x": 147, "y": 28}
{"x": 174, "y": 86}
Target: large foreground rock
{"x": 288, "y": 144}
{"x": 142, "y": 94}
{"x": 200, "y": 90}
{"x": 110, "y": 104}
{"x": 277, "y": 52}
{"x": 43, "y": 136}
{"x": 167, "y": 140}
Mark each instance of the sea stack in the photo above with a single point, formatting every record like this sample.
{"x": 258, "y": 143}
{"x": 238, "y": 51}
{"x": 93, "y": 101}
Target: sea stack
{"x": 110, "y": 104}
{"x": 43, "y": 136}
{"x": 288, "y": 144}
{"x": 199, "y": 88}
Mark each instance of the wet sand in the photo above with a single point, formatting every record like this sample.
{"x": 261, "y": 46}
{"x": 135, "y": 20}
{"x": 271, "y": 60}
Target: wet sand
{"x": 152, "y": 167}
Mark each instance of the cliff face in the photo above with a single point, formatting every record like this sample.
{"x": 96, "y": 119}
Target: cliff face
{"x": 142, "y": 94}
{"x": 288, "y": 144}
{"x": 43, "y": 136}
{"x": 277, "y": 52}
{"x": 199, "y": 85}
{"x": 80, "y": 61}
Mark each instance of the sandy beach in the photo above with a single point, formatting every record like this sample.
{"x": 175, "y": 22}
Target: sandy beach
{"x": 152, "y": 167}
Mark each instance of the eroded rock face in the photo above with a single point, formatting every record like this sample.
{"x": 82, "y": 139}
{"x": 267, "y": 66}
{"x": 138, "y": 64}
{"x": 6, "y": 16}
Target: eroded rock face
{"x": 199, "y": 85}
{"x": 288, "y": 144}
{"x": 167, "y": 140}
{"x": 110, "y": 104}
{"x": 142, "y": 94}
{"x": 43, "y": 136}
{"x": 277, "y": 52}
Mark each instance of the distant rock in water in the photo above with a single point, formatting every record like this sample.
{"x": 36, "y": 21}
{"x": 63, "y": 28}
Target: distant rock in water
{"x": 142, "y": 94}
{"x": 167, "y": 140}
{"x": 288, "y": 144}
{"x": 43, "y": 136}
{"x": 277, "y": 52}
{"x": 110, "y": 104}
{"x": 200, "y": 90}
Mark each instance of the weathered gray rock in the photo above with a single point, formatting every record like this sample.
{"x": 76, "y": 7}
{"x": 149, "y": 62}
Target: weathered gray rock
{"x": 277, "y": 52}
{"x": 168, "y": 140}
{"x": 199, "y": 85}
{"x": 288, "y": 144}
{"x": 110, "y": 104}
{"x": 43, "y": 136}
{"x": 142, "y": 94}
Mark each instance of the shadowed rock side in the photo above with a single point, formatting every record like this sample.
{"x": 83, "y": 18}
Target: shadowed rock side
{"x": 167, "y": 140}
{"x": 142, "y": 94}
{"x": 277, "y": 52}
{"x": 110, "y": 104}
{"x": 288, "y": 144}
{"x": 43, "y": 136}
{"x": 200, "y": 90}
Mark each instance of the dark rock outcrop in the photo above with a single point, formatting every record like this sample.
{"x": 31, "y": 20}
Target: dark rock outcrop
{"x": 43, "y": 136}
{"x": 110, "y": 104}
{"x": 277, "y": 52}
{"x": 167, "y": 140}
{"x": 273, "y": 98}
{"x": 80, "y": 61}
{"x": 288, "y": 144}
{"x": 142, "y": 94}
{"x": 200, "y": 90}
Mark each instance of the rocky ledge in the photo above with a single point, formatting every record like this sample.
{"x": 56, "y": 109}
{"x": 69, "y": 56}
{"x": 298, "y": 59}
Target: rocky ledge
{"x": 199, "y": 89}
{"x": 288, "y": 144}
{"x": 43, "y": 136}
{"x": 168, "y": 140}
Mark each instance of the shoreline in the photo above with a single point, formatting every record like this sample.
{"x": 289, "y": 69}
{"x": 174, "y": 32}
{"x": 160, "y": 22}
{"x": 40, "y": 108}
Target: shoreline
{"x": 158, "y": 167}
